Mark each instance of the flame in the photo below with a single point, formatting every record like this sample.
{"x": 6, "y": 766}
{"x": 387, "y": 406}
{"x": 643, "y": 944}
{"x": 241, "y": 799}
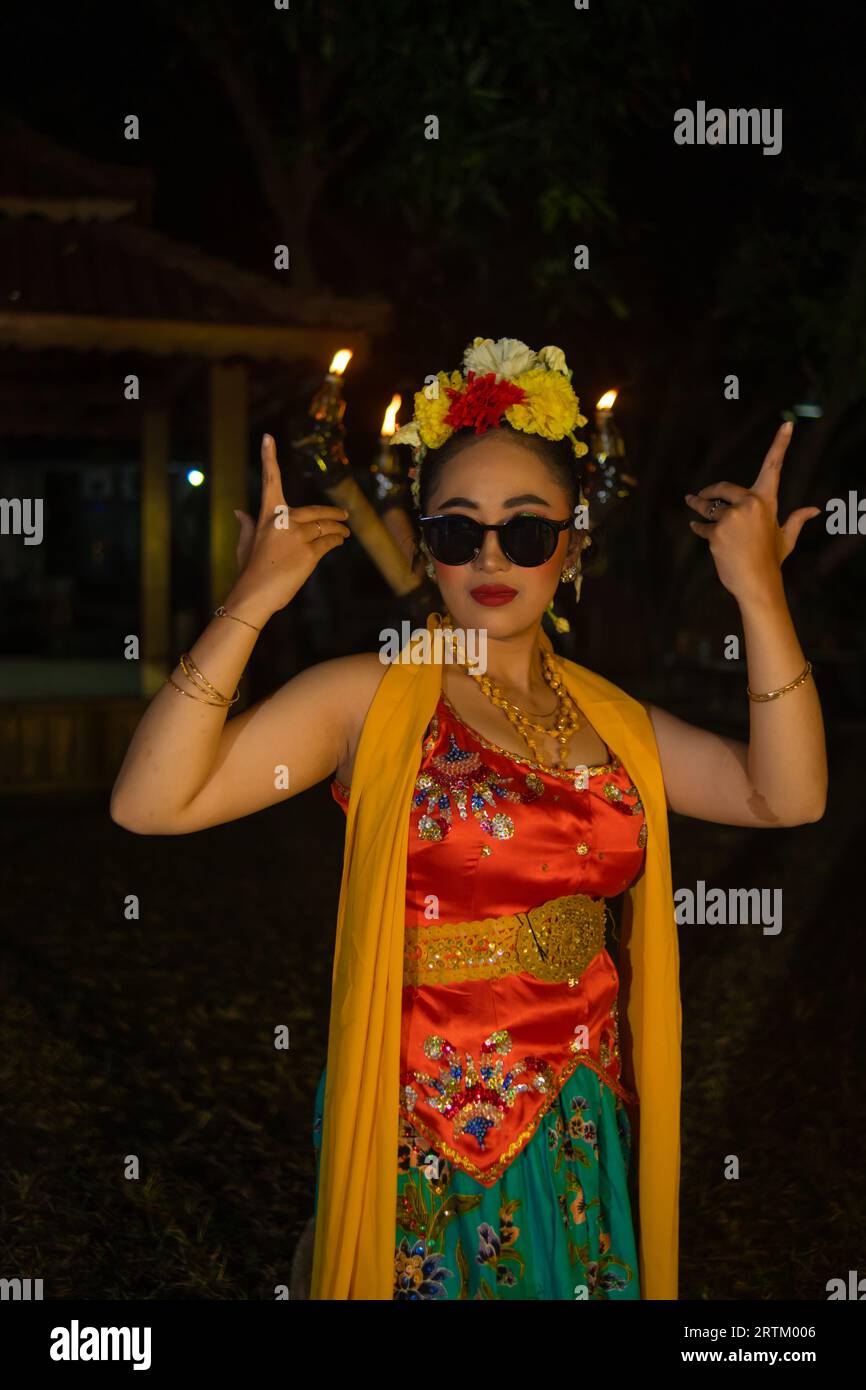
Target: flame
{"x": 606, "y": 401}
{"x": 389, "y": 424}
{"x": 340, "y": 361}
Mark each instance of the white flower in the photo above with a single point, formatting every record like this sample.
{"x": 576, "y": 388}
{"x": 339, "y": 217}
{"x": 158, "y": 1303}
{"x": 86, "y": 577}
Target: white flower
{"x": 507, "y": 358}
{"x": 553, "y": 359}
{"x": 407, "y": 434}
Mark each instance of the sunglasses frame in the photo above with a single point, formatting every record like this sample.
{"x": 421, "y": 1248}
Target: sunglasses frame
{"x": 556, "y": 526}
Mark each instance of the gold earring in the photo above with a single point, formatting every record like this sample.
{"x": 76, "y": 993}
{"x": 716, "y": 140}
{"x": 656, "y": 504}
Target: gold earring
{"x": 575, "y": 572}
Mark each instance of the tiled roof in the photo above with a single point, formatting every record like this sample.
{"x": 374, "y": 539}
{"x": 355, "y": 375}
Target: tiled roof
{"x": 127, "y": 271}
{"x": 72, "y": 241}
{"x": 32, "y": 166}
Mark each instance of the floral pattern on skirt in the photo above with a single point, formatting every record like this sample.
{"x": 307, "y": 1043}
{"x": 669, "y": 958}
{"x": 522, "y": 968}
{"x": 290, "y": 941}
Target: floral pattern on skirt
{"x": 556, "y": 1225}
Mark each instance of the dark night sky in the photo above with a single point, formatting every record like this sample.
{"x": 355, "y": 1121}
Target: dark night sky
{"x": 74, "y": 73}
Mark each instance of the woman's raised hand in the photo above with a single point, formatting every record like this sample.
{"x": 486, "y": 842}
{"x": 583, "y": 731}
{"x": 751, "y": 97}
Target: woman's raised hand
{"x": 279, "y": 552}
{"x": 746, "y": 541}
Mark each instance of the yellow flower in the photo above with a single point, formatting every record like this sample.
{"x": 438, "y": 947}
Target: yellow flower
{"x": 430, "y": 413}
{"x": 554, "y": 359}
{"x": 550, "y": 408}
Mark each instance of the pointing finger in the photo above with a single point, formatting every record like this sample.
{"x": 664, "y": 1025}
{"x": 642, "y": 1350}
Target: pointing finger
{"x": 272, "y": 484}
{"x": 767, "y": 482}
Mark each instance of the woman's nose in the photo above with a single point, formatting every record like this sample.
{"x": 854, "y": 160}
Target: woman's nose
{"x": 491, "y": 554}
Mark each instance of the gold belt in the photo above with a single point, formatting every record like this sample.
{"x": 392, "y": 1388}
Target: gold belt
{"x": 555, "y": 942}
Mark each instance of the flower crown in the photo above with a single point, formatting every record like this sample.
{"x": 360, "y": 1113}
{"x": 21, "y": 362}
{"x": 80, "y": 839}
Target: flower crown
{"x": 503, "y": 380}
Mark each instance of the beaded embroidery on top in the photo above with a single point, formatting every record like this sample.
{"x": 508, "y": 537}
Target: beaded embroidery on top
{"x": 474, "y": 1096}
{"x": 460, "y": 776}
{"x": 477, "y": 1098}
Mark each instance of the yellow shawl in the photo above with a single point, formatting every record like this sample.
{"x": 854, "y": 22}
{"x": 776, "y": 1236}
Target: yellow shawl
{"x": 357, "y": 1199}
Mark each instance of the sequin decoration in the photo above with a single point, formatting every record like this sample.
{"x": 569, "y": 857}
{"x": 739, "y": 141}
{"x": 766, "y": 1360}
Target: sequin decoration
{"x": 475, "y": 1098}
{"x": 609, "y": 1043}
{"x": 460, "y": 778}
{"x": 615, "y": 796}
{"x": 554, "y": 941}
{"x": 431, "y": 735}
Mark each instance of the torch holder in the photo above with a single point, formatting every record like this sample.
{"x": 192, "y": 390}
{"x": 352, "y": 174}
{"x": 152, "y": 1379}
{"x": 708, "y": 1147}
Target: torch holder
{"x": 323, "y": 458}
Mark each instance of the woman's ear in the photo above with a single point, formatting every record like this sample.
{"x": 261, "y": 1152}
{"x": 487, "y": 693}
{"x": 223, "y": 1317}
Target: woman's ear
{"x": 573, "y": 549}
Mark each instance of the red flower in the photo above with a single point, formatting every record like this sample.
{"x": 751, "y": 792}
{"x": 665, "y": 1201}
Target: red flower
{"x": 483, "y": 403}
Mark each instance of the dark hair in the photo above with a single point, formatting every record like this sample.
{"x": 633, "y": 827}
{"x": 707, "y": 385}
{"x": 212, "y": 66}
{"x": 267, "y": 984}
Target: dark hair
{"x": 556, "y": 454}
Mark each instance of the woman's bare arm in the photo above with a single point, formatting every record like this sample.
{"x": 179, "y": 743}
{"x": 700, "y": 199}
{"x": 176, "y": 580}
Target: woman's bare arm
{"x": 281, "y": 746}
{"x": 780, "y": 776}
{"x": 185, "y": 767}
{"x": 711, "y": 777}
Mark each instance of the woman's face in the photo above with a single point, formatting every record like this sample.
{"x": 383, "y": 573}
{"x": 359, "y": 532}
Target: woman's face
{"x": 492, "y": 480}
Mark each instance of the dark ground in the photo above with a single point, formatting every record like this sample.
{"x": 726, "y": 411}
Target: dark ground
{"x": 155, "y": 1038}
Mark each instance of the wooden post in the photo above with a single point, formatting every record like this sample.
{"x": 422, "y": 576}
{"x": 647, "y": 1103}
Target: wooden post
{"x": 155, "y": 561}
{"x": 228, "y": 473}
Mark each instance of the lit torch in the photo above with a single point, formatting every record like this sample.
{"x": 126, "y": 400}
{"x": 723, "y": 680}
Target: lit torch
{"x": 388, "y": 483}
{"x": 325, "y": 458}
{"x": 324, "y": 445}
{"x": 607, "y": 478}
{"x": 390, "y": 489}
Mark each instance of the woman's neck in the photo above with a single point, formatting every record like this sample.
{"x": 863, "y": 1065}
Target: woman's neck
{"x": 516, "y": 667}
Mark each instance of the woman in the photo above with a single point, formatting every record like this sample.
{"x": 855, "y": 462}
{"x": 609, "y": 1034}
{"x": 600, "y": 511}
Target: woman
{"x": 472, "y": 1124}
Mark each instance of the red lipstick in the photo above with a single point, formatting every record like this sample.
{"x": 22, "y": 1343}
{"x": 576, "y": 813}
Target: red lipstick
{"x": 493, "y": 595}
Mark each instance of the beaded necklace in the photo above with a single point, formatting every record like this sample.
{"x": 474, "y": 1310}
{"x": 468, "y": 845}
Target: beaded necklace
{"x": 567, "y": 720}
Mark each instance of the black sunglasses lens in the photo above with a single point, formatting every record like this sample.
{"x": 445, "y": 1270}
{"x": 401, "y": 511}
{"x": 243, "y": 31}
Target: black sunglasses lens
{"x": 528, "y": 541}
{"x": 453, "y": 540}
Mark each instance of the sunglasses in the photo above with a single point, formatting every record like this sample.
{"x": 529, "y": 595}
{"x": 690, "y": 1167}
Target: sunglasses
{"x": 526, "y": 540}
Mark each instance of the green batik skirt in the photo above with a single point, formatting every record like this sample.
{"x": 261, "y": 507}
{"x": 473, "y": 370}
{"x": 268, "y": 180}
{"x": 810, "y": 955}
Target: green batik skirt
{"x": 557, "y": 1224}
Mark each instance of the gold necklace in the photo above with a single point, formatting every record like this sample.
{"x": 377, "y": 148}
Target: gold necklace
{"x": 568, "y": 719}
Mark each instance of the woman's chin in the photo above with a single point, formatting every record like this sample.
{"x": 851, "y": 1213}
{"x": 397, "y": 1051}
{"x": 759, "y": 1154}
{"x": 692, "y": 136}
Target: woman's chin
{"x": 499, "y": 619}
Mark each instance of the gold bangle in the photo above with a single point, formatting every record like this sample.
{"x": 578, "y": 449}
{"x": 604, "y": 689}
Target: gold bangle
{"x": 196, "y": 678}
{"x": 191, "y": 696}
{"x": 192, "y": 672}
{"x": 221, "y": 612}
{"x": 783, "y": 690}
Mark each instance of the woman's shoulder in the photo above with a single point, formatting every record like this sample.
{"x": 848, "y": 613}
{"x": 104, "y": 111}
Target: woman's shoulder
{"x": 357, "y": 666}
{"x": 355, "y": 678}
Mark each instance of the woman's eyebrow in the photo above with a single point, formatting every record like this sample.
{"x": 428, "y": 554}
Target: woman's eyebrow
{"x": 522, "y": 500}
